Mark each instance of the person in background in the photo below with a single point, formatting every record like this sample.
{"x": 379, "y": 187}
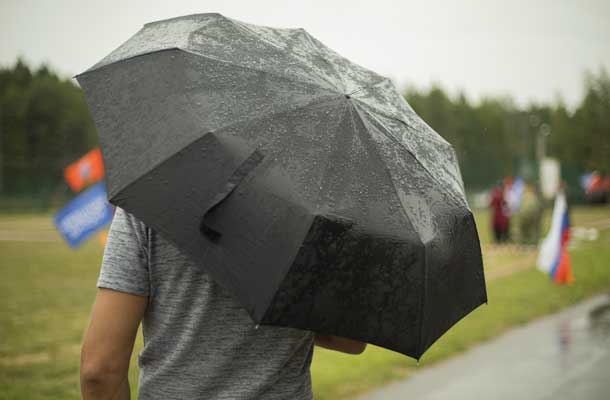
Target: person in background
{"x": 530, "y": 214}
{"x": 499, "y": 211}
{"x": 597, "y": 190}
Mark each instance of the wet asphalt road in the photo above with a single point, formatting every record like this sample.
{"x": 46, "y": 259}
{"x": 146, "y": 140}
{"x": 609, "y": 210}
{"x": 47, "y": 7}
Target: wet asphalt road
{"x": 560, "y": 357}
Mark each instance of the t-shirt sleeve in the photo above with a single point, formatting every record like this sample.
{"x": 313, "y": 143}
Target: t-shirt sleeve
{"x": 125, "y": 260}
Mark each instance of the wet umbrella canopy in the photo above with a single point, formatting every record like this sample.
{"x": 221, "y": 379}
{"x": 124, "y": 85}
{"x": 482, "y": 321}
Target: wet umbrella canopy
{"x": 302, "y": 182}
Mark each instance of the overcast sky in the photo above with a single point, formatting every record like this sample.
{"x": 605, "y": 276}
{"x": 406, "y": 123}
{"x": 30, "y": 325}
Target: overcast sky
{"x": 531, "y": 50}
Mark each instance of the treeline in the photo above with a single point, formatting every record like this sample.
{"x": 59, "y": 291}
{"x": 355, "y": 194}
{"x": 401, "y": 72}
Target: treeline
{"x": 45, "y": 124}
{"x": 494, "y": 137}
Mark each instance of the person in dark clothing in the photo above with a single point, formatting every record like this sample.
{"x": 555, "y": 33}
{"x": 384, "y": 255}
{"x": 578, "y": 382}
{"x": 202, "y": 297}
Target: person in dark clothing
{"x": 500, "y": 217}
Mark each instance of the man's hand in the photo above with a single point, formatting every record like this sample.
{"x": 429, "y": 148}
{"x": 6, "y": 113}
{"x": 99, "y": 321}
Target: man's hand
{"x": 108, "y": 345}
{"x": 343, "y": 345}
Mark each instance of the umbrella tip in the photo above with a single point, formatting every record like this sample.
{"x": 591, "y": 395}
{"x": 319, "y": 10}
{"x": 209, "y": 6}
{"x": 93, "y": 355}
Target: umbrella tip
{"x": 347, "y": 96}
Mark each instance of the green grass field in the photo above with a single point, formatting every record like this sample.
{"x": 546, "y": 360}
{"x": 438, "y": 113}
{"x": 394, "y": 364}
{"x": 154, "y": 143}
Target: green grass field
{"x": 46, "y": 292}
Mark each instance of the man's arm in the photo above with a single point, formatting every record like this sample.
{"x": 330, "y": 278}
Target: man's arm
{"x": 343, "y": 345}
{"x": 108, "y": 345}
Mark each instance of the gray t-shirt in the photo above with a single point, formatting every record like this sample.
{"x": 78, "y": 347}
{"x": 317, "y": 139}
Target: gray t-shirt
{"x": 199, "y": 343}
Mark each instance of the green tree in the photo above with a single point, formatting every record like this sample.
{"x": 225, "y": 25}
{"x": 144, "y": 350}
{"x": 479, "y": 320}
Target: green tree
{"x": 494, "y": 138}
{"x": 45, "y": 124}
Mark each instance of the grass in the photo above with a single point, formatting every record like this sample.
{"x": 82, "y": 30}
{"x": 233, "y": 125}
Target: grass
{"x": 46, "y": 295}
{"x": 46, "y": 292}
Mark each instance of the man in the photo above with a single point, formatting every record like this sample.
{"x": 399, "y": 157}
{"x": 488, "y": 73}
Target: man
{"x": 198, "y": 342}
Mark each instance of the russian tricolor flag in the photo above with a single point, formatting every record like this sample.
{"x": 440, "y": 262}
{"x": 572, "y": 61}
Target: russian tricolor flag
{"x": 554, "y": 258}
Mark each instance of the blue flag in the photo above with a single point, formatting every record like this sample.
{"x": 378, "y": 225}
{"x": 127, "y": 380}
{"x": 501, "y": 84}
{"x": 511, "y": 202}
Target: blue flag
{"x": 85, "y": 215}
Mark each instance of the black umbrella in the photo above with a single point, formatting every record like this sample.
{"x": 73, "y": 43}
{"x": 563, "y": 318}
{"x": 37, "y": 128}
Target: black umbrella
{"x": 300, "y": 181}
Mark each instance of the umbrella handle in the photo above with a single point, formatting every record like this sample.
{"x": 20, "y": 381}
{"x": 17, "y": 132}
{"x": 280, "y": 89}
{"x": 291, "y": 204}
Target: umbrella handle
{"x": 234, "y": 180}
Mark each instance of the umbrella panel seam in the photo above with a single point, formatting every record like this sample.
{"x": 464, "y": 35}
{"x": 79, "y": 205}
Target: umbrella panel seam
{"x": 219, "y": 130}
{"x": 422, "y": 246}
{"x": 404, "y": 148}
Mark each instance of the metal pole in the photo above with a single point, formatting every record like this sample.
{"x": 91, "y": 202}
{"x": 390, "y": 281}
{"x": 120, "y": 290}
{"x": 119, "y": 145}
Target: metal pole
{"x": 543, "y": 132}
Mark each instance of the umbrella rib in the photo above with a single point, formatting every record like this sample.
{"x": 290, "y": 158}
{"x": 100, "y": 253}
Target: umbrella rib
{"x": 272, "y": 114}
{"x": 385, "y": 168}
{"x": 404, "y": 148}
{"x": 369, "y": 86}
{"x": 225, "y": 62}
{"x": 285, "y": 77}
{"x": 321, "y": 49}
{"x": 422, "y": 247}
{"x": 396, "y": 118}
{"x": 245, "y": 27}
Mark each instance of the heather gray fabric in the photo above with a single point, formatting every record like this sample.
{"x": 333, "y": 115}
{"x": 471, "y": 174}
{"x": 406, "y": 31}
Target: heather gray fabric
{"x": 199, "y": 343}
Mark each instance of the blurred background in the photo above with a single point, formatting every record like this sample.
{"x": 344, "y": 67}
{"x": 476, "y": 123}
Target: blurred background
{"x": 520, "y": 89}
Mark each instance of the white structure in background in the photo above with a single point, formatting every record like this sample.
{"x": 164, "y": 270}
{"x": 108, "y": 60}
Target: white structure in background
{"x": 550, "y": 177}
{"x": 479, "y": 200}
